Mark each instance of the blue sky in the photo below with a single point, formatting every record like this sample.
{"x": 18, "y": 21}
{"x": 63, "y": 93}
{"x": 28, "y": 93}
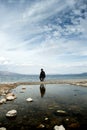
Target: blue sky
{"x": 48, "y": 34}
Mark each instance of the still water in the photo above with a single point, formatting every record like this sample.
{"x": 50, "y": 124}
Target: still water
{"x": 47, "y": 100}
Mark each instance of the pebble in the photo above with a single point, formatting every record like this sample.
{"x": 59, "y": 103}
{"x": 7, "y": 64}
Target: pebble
{"x": 41, "y": 126}
{"x": 10, "y": 96}
{"x": 11, "y": 113}
{"x": 56, "y": 127}
{"x": 2, "y": 101}
{"x": 29, "y": 99}
{"x": 2, "y": 128}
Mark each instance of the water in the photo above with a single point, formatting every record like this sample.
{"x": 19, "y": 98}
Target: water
{"x": 27, "y": 78}
{"x": 47, "y": 100}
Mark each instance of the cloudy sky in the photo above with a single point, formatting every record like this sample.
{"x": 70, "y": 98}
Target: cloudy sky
{"x": 49, "y": 34}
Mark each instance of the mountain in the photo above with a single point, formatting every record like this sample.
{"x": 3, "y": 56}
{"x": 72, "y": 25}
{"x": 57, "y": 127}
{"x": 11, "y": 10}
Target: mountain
{"x": 7, "y": 73}
{"x": 84, "y": 74}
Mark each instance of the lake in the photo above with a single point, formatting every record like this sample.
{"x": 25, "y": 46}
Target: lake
{"x": 53, "y": 104}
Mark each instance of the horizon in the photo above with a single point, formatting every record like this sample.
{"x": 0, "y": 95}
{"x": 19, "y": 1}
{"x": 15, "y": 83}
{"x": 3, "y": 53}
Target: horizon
{"x": 41, "y": 34}
{"x": 46, "y": 73}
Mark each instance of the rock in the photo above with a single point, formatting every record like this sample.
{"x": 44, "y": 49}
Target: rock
{"x": 11, "y": 113}
{"x": 10, "y": 96}
{"x": 61, "y": 112}
{"x": 56, "y": 127}
{"x": 2, "y": 101}
{"x": 2, "y": 128}
{"x": 41, "y": 126}
{"x": 67, "y": 119}
{"x": 29, "y": 99}
{"x": 46, "y": 118}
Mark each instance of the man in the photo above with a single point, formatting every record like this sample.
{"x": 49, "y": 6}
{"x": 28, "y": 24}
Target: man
{"x": 42, "y": 75}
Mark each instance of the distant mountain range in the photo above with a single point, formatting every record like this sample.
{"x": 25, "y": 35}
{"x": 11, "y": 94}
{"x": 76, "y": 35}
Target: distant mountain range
{"x": 85, "y": 74}
{"x": 7, "y": 73}
{"x": 4, "y": 73}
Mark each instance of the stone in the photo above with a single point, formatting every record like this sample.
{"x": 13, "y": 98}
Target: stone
{"x": 10, "y": 96}
{"x": 3, "y": 100}
{"x": 41, "y": 126}
{"x": 29, "y": 99}
{"x": 46, "y": 118}
{"x": 11, "y": 113}
{"x": 56, "y": 127}
{"x": 61, "y": 112}
{"x": 2, "y": 128}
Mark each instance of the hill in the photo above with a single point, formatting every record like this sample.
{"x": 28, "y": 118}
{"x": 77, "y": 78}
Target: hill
{"x": 7, "y": 73}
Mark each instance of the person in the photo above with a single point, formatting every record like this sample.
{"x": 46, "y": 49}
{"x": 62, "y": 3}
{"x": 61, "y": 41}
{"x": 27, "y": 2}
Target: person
{"x": 42, "y": 75}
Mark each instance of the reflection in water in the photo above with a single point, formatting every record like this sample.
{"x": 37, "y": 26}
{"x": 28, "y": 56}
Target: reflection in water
{"x": 42, "y": 90}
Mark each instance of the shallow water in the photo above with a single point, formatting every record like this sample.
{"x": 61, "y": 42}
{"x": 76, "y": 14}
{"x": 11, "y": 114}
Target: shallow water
{"x": 47, "y": 100}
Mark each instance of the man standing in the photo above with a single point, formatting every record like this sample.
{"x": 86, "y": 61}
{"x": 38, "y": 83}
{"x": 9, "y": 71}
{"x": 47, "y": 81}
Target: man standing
{"x": 42, "y": 75}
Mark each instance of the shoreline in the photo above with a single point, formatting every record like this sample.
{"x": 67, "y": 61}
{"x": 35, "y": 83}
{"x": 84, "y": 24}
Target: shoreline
{"x": 7, "y": 86}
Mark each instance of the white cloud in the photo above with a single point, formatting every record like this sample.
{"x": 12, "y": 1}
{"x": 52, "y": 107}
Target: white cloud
{"x": 4, "y": 61}
{"x": 33, "y": 37}
{"x": 42, "y": 10}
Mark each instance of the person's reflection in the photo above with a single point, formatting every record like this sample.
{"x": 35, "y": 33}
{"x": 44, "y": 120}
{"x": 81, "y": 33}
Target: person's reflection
{"x": 42, "y": 90}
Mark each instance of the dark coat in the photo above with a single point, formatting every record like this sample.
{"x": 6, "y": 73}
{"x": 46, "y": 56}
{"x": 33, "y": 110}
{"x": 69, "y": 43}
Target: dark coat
{"x": 42, "y": 75}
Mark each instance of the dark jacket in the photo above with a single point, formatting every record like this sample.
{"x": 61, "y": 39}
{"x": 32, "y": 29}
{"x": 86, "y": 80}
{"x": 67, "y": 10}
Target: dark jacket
{"x": 42, "y": 75}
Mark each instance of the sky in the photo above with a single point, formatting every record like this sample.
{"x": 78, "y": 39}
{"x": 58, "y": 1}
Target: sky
{"x": 48, "y": 34}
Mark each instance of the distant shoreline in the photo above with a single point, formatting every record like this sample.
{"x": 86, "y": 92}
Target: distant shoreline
{"x": 77, "y": 82}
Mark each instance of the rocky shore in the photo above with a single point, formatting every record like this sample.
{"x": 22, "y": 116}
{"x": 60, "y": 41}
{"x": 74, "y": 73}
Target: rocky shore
{"x": 7, "y": 86}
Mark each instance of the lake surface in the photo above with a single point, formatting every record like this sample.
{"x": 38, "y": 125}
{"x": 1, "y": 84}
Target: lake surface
{"x": 48, "y": 99}
{"x": 30, "y": 78}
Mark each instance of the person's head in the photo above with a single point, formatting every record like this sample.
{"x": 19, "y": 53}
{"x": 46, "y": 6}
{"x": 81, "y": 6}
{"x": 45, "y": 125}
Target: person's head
{"x": 41, "y": 69}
